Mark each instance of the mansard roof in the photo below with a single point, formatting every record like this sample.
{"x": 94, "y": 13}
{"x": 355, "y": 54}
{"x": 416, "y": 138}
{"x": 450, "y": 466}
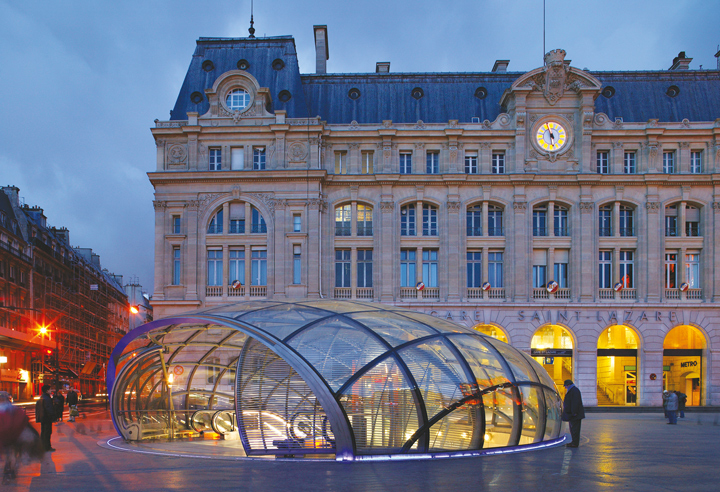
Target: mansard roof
{"x": 638, "y": 96}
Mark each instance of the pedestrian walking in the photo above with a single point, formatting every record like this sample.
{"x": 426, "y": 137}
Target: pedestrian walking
{"x": 72, "y": 401}
{"x": 12, "y": 422}
{"x": 573, "y": 412}
{"x": 671, "y": 405}
{"x": 682, "y": 401}
{"x": 59, "y": 404}
{"x": 47, "y": 418}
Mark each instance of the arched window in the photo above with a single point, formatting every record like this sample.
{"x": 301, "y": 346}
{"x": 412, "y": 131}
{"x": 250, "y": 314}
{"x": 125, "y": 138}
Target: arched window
{"x": 617, "y": 381}
{"x": 343, "y": 224}
{"x": 684, "y": 363}
{"x": 407, "y": 220}
{"x": 540, "y": 221}
{"x": 492, "y": 331}
{"x": 627, "y": 223}
{"x": 560, "y": 223}
{"x": 474, "y": 220}
{"x": 605, "y": 221}
{"x": 216, "y": 223}
{"x": 364, "y": 220}
{"x": 258, "y": 222}
{"x": 495, "y": 221}
{"x": 552, "y": 347}
{"x": 430, "y": 220}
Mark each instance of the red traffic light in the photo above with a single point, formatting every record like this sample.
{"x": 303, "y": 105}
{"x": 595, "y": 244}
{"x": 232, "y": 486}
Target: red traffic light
{"x": 48, "y": 351}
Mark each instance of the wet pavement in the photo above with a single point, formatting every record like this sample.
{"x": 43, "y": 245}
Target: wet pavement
{"x": 637, "y": 452}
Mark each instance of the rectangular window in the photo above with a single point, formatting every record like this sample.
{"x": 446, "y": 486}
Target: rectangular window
{"x": 670, "y": 270}
{"x": 215, "y": 159}
{"x": 297, "y": 265}
{"x": 602, "y": 162}
{"x": 364, "y": 220}
{"x": 342, "y": 268}
{"x": 237, "y": 266}
{"x": 540, "y": 222}
{"x": 259, "y": 267}
{"x": 627, "y": 271}
{"x": 495, "y": 221}
{"x": 629, "y": 163}
{"x": 560, "y": 275}
{"x": 692, "y": 270}
{"x": 471, "y": 164}
{"x": 692, "y": 221}
{"x": 258, "y": 159}
{"x": 474, "y": 269}
{"x": 430, "y": 225}
{"x": 237, "y": 226}
{"x": 560, "y": 223}
{"x": 364, "y": 268}
{"x": 340, "y": 162}
{"x": 176, "y": 224}
{"x": 498, "y": 164}
{"x": 237, "y": 158}
{"x": 214, "y": 267}
{"x": 343, "y": 221}
{"x": 366, "y": 164}
{"x": 605, "y": 222}
{"x": 539, "y": 270}
{"x": 432, "y": 163}
{"x": 495, "y": 269}
{"x": 405, "y": 163}
{"x": 473, "y": 219}
{"x": 407, "y": 268}
{"x": 605, "y": 270}
{"x": 407, "y": 220}
{"x": 669, "y": 162}
{"x": 297, "y": 222}
{"x": 430, "y": 267}
{"x": 671, "y": 222}
{"x": 696, "y": 162}
{"x": 258, "y": 222}
{"x": 627, "y": 227}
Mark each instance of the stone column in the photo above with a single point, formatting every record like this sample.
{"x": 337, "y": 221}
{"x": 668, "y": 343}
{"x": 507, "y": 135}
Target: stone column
{"x": 280, "y": 260}
{"x": 550, "y": 221}
{"x": 454, "y": 254}
{"x": 163, "y": 264}
{"x": 316, "y": 208}
{"x": 653, "y": 263}
{"x": 618, "y": 156}
{"x": 713, "y": 235}
{"x": 192, "y": 260}
{"x": 616, "y": 219}
{"x": 485, "y": 158}
{"x": 418, "y": 157}
{"x": 225, "y": 270}
{"x": 684, "y": 158}
{"x": 519, "y": 254}
{"x": 588, "y": 252}
{"x": 387, "y": 250}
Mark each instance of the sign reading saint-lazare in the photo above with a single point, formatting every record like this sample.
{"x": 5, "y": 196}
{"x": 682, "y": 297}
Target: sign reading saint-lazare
{"x": 634, "y": 317}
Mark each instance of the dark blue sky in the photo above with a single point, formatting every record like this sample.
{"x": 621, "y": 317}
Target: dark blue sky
{"x": 82, "y": 81}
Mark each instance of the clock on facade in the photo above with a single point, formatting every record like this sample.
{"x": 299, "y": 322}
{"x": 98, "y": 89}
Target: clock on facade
{"x": 551, "y": 136}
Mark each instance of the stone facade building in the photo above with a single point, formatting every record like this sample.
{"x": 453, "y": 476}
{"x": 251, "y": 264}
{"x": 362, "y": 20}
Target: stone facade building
{"x": 570, "y": 213}
{"x": 44, "y": 282}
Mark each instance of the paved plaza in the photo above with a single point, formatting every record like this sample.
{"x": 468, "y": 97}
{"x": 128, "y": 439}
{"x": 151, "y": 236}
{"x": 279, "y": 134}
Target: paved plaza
{"x": 618, "y": 452}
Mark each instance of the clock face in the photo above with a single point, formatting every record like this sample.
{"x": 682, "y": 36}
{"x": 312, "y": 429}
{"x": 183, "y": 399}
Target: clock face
{"x": 551, "y": 136}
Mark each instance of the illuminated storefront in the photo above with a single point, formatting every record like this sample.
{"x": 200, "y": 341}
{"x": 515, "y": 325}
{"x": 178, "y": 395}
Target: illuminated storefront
{"x": 492, "y": 331}
{"x": 552, "y": 347}
{"x": 683, "y": 354}
{"x": 617, "y": 369}
{"x": 337, "y": 378}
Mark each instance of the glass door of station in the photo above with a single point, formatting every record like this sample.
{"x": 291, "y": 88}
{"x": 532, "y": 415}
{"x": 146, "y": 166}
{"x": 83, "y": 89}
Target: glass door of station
{"x": 617, "y": 367}
{"x": 683, "y": 363}
{"x": 552, "y": 348}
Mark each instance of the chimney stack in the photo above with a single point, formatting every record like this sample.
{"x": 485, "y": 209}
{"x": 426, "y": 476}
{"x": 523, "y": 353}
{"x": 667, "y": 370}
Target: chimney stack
{"x": 681, "y": 62}
{"x": 501, "y": 65}
{"x": 717, "y": 56}
{"x": 382, "y": 67}
{"x": 322, "y": 50}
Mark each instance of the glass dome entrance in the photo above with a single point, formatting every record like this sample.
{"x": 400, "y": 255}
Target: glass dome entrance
{"x": 330, "y": 378}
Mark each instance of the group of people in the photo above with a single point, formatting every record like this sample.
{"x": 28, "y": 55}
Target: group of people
{"x": 53, "y": 406}
{"x": 674, "y": 403}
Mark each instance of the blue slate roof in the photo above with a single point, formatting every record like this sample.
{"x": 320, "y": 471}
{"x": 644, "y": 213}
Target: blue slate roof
{"x": 638, "y": 96}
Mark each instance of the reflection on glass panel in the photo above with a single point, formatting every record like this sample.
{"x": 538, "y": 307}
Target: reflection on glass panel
{"x": 460, "y": 429}
{"x": 341, "y": 307}
{"x": 533, "y": 413}
{"x": 684, "y": 337}
{"x": 553, "y": 410}
{"x": 278, "y": 411}
{"x": 336, "y": 349}
{"x": 395, "y": 329}
{"x": 381, "y": 409}
{"x": 491, "y": 331}
{"x": 483, "y": 362}
{"x": 284, "y": 319}
{"x": 520, "y": 367}
{"x": 236, "y": 310}
{"x": 181, "y": 334}
{"x": 545, "y": 378}
{"x": 499, "y": 409}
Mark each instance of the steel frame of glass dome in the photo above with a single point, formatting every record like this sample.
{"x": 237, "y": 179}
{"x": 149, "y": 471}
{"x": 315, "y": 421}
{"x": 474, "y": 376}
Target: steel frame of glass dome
{"x": 294, "y": 395}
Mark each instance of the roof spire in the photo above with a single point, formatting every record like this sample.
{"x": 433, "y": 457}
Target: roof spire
{"x": 252, "y": 29}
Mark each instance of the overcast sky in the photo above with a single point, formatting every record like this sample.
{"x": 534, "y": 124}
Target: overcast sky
{"x": 82, "y": 81}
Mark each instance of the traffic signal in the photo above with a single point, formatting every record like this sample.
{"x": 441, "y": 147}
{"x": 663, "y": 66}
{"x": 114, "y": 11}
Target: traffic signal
{"x": 48, "y": 351}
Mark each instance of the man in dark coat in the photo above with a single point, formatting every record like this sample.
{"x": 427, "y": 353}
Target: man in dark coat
{"x": 72, "y": 401}
{"x": 47, "y": 419}
{"x": 573, "y": 412}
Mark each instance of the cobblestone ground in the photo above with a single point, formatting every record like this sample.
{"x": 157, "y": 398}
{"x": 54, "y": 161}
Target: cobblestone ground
{"x": 636, "y": 452}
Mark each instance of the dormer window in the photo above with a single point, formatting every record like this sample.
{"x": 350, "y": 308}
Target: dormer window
{"x": 237, "y": 99}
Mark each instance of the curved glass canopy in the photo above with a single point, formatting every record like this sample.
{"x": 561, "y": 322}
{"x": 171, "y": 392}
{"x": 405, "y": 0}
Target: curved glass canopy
{"x": 329, "y": 377}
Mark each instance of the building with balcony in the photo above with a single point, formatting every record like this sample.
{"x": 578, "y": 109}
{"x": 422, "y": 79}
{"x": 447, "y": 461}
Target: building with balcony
{"x": 570, "y": 213}
{"x": 45, "y": 282}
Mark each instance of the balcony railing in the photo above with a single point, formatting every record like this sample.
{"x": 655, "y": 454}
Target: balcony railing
{"x": 605, "y": 231}
{"x": 561, "y": 231}
{"x": 606, "y": 294}
{"x": 430, "y": 293}
{"x": 258, "y": 291}
{"x": 474, "y": 231}
{"x": 540, "y": 231}
{"x": 672, "y": 293}
{"x": 626, "y": 294}
{"x": 495, "y": 231}
{"x": 213, "y": 291}
{"x": 237, "y": 227}
{"x": 671, "y": 232}
{"x": 496, "y": 293}
{"x": 259, "y": 229}
{"x": 364, "y": 293}
{"x": 627, "y": 231}
{"x": 693, "y": 294}
{"x": 342, "y": 230}
{"x": 236, "y": 292}
{"x": 215, "y": 229}
{"x": 343, "y": 292}
{"x": 692, "y": 229}
{"x": 540, "y": 293}
{"x": 408, "y": 293}
{"x": 366, "y": 230}
{"x": 474, "y": 293}
{"x": 562, "y": 294}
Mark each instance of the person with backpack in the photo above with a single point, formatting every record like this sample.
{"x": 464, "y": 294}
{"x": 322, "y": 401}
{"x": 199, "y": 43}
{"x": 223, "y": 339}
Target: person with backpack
{"x": 45, "y": 415}
{"x": 72, "y": 401}
{"x": 682, "y": 401}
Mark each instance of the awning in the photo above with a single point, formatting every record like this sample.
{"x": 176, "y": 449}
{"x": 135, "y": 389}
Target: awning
{"x": 65, "y": 372}
{"x": 88, "y": 367}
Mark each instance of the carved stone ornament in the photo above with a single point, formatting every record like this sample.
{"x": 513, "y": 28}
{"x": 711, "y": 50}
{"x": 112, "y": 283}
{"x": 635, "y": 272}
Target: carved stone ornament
{"x": 159, "y": 205}
{"x": 485, "y": 145}
{"x": 317, "y": 203}
{"x": 387, "y": 123}
{"x": 387, "y": 150}
{"x": 486, "y": 124}
{"x": 354, "y": 146}
{"x": 268, "y": 199}
{"x": 588, "y": 119}
{"x": 601, "y": 119}
{"x": 177, "y": 154}
{"x": 387, "y": 207}
{"x": 453, "y": 123}
{"x": 586, "y": 207}
{"x": 716, "y": 206}
{"x": 684, "y": 145}
{"x": 354, "y": 125}
{"x": 533, "y": 118}
{"x": 419, "y": 146}
{"x": 206, "y": 198}
{"x": 653, "y": 207}
{"x": 280, "y": 204}
{"x": 555, "y": 75}
{"x": 193, "y": 205}
{"x": 519, "y": 206}
{"x": 297, "y": 151}
{"x": 520, "y": 119}
{"x": 685, "y": 123}
{"x": 652, "y": 123}
{"x": 419, "y": 125}
{"x": 653, "y": 148}
{"x": 617, "y": 145}
{"x": 453, "y": 151}
{"x": 453, "y": 207}
{"x": 618, "y": 123}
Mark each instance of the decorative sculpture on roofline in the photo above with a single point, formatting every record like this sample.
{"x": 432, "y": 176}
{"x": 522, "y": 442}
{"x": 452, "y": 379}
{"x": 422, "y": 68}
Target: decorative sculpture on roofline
{"x": 555, "y": 73}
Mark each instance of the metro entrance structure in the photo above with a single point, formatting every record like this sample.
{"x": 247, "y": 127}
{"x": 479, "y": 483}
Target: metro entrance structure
{"x": 343, "y": 379}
